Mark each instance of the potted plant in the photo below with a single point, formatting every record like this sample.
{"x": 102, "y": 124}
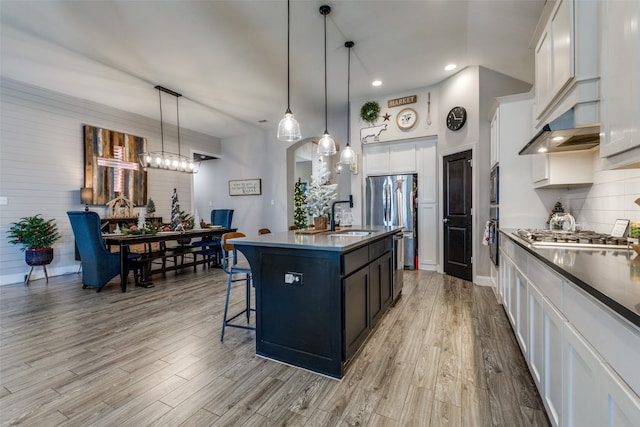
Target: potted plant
{"x": 35, "y": 235}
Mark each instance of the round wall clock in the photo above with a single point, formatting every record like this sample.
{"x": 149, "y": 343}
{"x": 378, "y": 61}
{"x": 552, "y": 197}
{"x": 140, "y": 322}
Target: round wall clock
{"x": 456, "y": 118}
{"x": 407, "y": 118}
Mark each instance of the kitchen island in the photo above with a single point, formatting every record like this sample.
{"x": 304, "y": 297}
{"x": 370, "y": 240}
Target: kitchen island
{"x": 318, "y": 296}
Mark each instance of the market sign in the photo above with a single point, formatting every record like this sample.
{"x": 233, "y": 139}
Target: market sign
{"x": 402, "y": 101}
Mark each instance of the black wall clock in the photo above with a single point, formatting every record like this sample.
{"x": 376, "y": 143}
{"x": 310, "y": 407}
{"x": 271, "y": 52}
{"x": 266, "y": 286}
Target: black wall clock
{"x": 456, "y": 118}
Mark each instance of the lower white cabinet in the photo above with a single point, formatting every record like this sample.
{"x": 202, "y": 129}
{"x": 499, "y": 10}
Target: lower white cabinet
{"x": 621, "y": 405}
{"x": 521, "y": 314}
{"x": 536, "y": 335}
{"x": 582, "y": 379}
{"x": 577, "y": 383}
{"x": 595, "y": 394}
{"x": 552, "y": 390}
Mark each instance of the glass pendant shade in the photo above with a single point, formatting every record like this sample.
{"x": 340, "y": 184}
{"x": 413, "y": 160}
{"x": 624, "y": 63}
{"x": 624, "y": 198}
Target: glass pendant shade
{"x": 347, "y": 155}
{"x": 326, "y": 145}
{"x": 289, "y": 128}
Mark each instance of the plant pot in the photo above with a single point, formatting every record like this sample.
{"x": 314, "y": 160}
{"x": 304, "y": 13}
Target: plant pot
{"x": 40, "y": 256}
{"x": 320, "y": 222}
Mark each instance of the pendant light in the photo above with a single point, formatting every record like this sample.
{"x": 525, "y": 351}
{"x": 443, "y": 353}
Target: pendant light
{"x": 347, "y": 156}
{"x": 326, "y": 145}
{"x": 288, "y": 128}
{"x": 166, "y": 160}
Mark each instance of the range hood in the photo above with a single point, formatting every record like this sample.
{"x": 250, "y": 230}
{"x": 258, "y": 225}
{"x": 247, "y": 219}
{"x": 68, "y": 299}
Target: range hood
{"x": 562, "y": 135}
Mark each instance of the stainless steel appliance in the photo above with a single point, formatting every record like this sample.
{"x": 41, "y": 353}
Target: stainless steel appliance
{"x": 392, "y": 201}
{"x": 398, "y": 265}
{"x": 579, "y": 239}
{"x": 494, "y": 213}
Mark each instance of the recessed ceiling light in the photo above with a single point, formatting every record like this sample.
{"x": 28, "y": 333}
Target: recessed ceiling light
{"x": 376, "y": 83}
{"x": 542, "y": 150}
{"x": 450, "y": 67}
{"x": 558, "y": 138}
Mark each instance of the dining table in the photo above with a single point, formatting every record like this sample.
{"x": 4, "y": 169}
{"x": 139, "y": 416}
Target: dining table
{"x": 125, "y": 241}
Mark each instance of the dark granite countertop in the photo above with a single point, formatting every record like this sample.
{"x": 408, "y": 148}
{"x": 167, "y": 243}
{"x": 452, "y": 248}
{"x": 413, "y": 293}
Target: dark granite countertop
{"x": 326, "y": 241}
{"x": 610, "y": 276}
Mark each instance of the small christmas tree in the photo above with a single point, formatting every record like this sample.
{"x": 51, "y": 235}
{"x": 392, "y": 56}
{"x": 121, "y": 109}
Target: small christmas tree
{"x": 151, "y": 207}
{"x": 557, "y": 208}
{"x": 176, "y": 218}
{"x": 140, "y": 220}
{"x": 320, "y": 193}
{"x": 299, "y": 214}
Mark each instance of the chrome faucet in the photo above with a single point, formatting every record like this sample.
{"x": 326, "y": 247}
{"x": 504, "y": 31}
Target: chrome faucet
{"x": 333, "y": 210}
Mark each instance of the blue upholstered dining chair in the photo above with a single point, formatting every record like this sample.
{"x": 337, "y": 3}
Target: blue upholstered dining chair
{"x": 237, "y": 273}
{"x": 99, "y": 265}
{"x": 211, "y": 246}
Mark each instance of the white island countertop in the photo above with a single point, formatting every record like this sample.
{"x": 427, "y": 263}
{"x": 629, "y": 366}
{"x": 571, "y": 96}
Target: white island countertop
{"x": 328, "y": 241}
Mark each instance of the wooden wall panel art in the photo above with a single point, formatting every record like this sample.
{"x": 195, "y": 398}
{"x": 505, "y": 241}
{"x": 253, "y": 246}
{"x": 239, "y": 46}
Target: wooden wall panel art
{"x": 112, "y": 167}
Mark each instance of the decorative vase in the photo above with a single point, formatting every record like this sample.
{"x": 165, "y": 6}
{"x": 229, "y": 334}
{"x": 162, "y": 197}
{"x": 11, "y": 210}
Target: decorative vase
{"x": 39, "y": 256}
{"x": 320, "y": 222}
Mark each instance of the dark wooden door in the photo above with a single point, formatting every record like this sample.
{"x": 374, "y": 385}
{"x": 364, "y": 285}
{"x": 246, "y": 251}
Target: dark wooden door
{"x": 456, "y": 217}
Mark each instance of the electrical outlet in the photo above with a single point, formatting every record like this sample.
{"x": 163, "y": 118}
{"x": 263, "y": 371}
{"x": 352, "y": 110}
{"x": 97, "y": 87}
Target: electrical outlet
{"x": 293, "y": 278}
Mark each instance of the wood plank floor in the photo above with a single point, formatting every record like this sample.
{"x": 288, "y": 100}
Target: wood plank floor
{"x": 444, "y": 355}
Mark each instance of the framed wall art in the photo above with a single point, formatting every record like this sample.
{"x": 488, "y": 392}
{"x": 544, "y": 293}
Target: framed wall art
{"x": 245, "y": 187}
{"x": 111, "y": 166}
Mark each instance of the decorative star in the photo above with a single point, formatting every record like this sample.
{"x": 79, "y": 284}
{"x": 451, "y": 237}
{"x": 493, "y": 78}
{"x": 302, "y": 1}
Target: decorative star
{"x": 386, "y": 117}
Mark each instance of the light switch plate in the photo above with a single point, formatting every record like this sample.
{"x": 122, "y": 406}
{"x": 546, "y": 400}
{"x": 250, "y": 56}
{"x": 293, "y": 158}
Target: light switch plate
{"x": 4, "y": 201}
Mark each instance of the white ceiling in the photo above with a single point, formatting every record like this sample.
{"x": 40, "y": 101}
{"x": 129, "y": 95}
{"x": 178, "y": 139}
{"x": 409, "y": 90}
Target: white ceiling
{"x": 228, "y": 57}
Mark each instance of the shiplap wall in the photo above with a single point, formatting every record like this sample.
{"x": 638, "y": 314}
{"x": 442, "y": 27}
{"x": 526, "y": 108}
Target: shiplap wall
{"x": 42, "y": 165}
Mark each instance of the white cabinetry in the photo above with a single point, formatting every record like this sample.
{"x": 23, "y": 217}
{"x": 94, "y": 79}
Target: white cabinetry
{"x": 620, "y": 106}
{"x": 495, "y": 139}
{"x": 582, "y": 357}
{"x": 554, "y": 54}
{"x": 569, "y": 169}
{"x": 536, "y": 335}
{"x": 582, "y": 369}
{"x": 594, "y": 390}
{"x": 621, "y": 405}
{"x": 552, "y": 390}
{"x": 566, "y": 62}
{"x": 383, "y": 159}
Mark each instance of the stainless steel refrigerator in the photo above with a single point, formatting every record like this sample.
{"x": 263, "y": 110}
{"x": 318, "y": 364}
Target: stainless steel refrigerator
{"x": 392, "y": 201}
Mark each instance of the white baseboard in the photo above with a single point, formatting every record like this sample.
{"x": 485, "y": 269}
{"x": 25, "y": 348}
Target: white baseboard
{"x": 483, "y": 281}
{"x": 38, "y": 273}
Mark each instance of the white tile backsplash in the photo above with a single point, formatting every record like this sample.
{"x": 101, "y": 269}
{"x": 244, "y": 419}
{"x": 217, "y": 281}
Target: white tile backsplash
{"x": 610, "y": 197}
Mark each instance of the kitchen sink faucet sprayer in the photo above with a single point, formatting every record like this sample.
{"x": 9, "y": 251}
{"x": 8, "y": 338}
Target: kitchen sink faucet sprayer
{"x": 333, "y": 210}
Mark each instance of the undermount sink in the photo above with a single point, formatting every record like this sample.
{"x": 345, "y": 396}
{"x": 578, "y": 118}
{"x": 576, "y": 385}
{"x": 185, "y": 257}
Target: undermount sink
{"x": 351, "y": 233}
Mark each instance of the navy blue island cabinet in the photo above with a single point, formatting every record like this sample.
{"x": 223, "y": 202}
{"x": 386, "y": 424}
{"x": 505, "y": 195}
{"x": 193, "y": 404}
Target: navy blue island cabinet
{"x": 318, "y": 296}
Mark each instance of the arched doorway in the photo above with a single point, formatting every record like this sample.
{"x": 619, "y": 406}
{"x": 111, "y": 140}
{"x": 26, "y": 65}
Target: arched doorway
{"x": 301, "y": 158}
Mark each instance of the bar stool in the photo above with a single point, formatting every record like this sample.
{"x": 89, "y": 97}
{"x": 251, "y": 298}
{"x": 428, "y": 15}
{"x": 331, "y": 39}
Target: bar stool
{"x": 230, "y": 266}
{"x": 264, "y": 231}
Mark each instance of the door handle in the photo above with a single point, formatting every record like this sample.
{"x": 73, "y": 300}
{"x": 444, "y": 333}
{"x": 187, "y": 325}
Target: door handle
{"x": 445, "y": 220}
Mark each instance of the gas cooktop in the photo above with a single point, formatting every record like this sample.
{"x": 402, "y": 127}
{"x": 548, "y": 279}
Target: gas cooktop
{"x": 579, "y": 239}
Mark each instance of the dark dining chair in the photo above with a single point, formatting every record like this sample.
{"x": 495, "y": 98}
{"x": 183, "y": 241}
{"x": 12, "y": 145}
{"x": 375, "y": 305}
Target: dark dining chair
{"x": 99, "y": 265}
{"x": 211, "y": 246}
{"x": 237, "y": 273}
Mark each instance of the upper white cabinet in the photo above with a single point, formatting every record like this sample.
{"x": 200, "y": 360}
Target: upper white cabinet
{"x": 383, "y": 159}
{"x": 620, "y": 68}
{"x": 557, "y": 170}
{"x": 554, "y": 54}
{"x": 495, "y": 139}
{"x": 566, "y": 62}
